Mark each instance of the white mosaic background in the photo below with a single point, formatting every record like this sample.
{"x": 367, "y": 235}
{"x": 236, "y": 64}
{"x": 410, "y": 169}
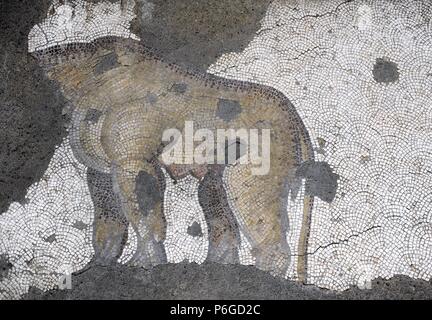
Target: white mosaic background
{"x": 50, "y": 234}
{"x": 377, "y": 139}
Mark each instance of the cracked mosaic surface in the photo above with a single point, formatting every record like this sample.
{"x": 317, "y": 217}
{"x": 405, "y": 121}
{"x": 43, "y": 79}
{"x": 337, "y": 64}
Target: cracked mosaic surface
{"x": 358, "y": 74}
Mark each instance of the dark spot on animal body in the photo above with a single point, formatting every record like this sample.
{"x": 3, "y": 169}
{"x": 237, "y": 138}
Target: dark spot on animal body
{"x": 228, "y": 110}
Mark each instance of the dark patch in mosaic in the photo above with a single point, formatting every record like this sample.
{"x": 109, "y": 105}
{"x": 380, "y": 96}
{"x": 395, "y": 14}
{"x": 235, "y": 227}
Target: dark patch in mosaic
{"x": 385, "y": 71}
{"x": 179, "y": 88}
{"x": 5, "y": 266}
{"x": 80, "y": 225}
{"x": 194, "y": 230}
{"x": 151, "y": 98}
{"x": 228, "y": 110}
{"x": 321, "y": 181}
{"x": 50, "y": 239}
{"x": 93, "y": 115}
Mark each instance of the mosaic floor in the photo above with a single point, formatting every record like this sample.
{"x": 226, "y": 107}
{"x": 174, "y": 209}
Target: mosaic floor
{"x": 345, "y": 87}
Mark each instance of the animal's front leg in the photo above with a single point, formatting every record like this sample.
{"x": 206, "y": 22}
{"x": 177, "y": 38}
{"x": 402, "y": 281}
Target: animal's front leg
{"x": 110, "y": 225}
{"x": 141, "y": 191}
{"x": 224, "y": 239}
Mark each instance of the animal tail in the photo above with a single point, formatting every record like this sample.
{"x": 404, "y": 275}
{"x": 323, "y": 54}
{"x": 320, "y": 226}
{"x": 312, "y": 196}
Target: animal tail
{"x": 307, "y": 154}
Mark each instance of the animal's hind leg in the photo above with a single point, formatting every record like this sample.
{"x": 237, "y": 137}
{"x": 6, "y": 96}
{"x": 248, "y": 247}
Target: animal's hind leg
{"x": 258, "y": 203}
{"x": 223, "y": 231}
{"x": 141, "y": 187}
{"x": 110, "y": 225}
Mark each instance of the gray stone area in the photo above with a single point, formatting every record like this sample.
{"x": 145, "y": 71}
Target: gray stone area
{"x": 215, "y": 281}
{"x": 31, "y": 119}
{"x": 32, "y": 124}
{"x": 195, "y": 33}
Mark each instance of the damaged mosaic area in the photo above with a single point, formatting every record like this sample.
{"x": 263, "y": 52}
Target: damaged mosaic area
{"x": 356, "y": 72}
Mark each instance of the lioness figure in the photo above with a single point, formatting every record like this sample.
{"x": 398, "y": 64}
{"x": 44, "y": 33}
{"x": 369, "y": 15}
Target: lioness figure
{"x": 124, "y": 97}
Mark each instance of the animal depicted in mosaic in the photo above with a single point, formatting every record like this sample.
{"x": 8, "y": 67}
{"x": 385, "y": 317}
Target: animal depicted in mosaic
{"x": 122, "y": 99}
